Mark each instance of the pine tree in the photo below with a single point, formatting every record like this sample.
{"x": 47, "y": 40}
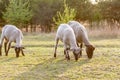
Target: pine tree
{"x": 65, "y": 16}
{"x": 18, "y": 12}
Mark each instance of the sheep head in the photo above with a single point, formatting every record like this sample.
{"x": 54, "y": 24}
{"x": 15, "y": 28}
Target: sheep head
{"x": 89, "y": 50}
{"x": 76, "y": 53}
{"x": 17, "y": 50}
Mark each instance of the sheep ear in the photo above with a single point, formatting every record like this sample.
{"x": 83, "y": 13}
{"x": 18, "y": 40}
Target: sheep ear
{"x": 12, "y": 46}
{"x": 90, "y": 46}
{"x": 22, "y": 47}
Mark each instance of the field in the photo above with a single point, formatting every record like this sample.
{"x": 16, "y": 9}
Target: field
{"x": 39, "y": 63}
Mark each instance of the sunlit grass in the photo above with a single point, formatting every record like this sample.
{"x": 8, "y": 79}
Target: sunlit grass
{"x": 39, "y": 63}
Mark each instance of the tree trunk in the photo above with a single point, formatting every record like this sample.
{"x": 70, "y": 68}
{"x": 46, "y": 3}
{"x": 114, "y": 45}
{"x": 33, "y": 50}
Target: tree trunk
{"x": 31, "y": 27}
{"x": 34, "y": 28}
{"x": 26, "y": 27}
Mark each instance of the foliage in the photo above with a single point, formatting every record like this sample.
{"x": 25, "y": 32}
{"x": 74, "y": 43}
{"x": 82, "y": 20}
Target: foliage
{"x": 18, "y": 12}
{"x": 3, "y": 3}
{"x": 110, "y": 10}
{"x": 44, "y": 10}
{"x": 65, "y": 16}
{"x": 83, "y": 8}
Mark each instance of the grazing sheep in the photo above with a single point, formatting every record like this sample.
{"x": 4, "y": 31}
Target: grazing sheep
{"x": 82, "y": 37}
{"x": 11, "y": 33}
{"x": 66, "y": 35}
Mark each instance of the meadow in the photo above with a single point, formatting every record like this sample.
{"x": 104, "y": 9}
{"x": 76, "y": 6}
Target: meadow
{"x": 39, "y": 63}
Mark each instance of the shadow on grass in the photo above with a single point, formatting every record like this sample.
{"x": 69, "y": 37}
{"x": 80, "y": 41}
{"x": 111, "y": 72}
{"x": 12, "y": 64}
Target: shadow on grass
{"x": 51, "y": 69}
{"x": 41, "y": 45}
{"x": 108, "y": 46}
{"x": 6, "y": 59}
{"x": 49, "y": 46}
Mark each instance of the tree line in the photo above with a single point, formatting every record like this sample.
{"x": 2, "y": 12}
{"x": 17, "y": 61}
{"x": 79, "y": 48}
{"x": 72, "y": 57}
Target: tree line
{"x": 47, "y": 13}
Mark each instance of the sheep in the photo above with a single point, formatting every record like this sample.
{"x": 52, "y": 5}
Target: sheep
{"x": 82, "y": 37}
{"x": 11, "y": 33}
{"x": 67, "y": 36}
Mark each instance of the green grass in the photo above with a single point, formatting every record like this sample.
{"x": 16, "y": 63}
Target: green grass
{"x": 39, "y": 63}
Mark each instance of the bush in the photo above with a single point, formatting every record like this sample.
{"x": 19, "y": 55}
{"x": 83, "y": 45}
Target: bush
{"x": 65, "y": 16}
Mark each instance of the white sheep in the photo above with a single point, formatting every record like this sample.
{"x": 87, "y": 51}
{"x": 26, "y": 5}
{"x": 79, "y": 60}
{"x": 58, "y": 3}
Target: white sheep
{"x": 82, "y": 37}
{"x": 11, "y": 33}
{"x": 66, "y": 35}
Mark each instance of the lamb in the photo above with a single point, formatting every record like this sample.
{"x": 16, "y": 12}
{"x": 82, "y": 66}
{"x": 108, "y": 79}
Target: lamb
{"x": 82, "y": 37}
{"x": 11, "y": 33}
{"x": 67, "y": 36}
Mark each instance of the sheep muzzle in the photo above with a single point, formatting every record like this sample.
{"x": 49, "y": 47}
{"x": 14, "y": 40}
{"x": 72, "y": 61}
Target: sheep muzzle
{"x": 76, "y": 56}
{"x": 89, "y": 50}
{"x": 17, "y": 51}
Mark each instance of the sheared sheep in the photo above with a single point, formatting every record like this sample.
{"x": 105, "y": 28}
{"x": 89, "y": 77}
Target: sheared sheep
{"x": 66, "y": 35}
{"x": 82, "y": 37}
{"x": 11, "y": 33}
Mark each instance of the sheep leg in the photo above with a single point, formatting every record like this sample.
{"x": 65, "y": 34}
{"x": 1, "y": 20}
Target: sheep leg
{"x": 80, "y": 54}
{"x": 0, "y": 50}
{"x": 67, "y": 55}
{"x": 57, "y": 40}
{"x": 78, "y": 44}
{"x": 5, "y": 47}
{"x": 65, "y": 50}
{"x": 80, "y": 51}
{"x": 22, "y": 52}
{"x": 1, "y": 42}
{"x": 81, "y": 45}
{"x": 9, "y": 45}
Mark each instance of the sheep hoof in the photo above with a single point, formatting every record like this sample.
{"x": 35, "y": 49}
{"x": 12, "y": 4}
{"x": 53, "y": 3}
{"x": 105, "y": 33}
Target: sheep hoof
{"x": 17, "y": 56}
{"x": 76, "y": 60}
{"x": 68, "y": 58}
{"x": 54, "y": 55}
{"x": 0, "y": 54}
{"x": 6, "y": 55}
